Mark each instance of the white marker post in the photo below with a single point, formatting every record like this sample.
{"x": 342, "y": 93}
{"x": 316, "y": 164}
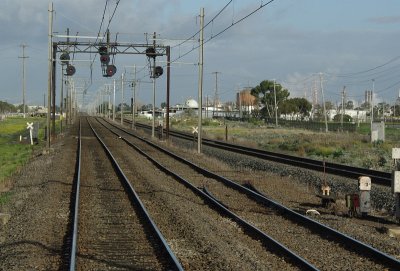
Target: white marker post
{"x": 30, "y": 127}
{"x": 396, "y": 180}
{"x": 195, "y": 132}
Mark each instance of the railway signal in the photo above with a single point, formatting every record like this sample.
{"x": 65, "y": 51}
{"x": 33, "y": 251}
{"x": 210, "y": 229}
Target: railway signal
{"x": 110, "y": 71}
{"x": 70, "y": 70}
{"x": 158, "y": 71}
{"x": 104, "y": 59}
{"x": 64, "y": 58}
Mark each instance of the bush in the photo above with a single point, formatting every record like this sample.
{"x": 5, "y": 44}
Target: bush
{"x": 337, "y": 153}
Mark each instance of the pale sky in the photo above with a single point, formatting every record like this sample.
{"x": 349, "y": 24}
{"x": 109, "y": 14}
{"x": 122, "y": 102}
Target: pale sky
{"x": 291, "y": 41}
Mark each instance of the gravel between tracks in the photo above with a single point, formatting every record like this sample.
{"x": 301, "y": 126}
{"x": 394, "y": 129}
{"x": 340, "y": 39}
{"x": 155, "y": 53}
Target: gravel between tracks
{"x": 33, "y": 237}
{"x": 200, "y": 237}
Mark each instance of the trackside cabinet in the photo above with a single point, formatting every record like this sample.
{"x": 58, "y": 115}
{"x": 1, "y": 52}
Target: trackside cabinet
{"x": 364, "y": 184}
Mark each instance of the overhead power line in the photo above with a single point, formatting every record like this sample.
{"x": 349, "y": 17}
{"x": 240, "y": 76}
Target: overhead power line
{"x": 112, "y": 16}
{"x": 102, "y": 21}
{"x": 365, "y": 71}
{"x": 195, "y": 34}
{"x": 222, "y": 31}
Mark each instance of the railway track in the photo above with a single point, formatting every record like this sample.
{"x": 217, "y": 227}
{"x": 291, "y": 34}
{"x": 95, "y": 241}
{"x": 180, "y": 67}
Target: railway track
{"x": 305, "y": 242}
{"x": 377, "y": 177}
{"x": 111, "y": 227}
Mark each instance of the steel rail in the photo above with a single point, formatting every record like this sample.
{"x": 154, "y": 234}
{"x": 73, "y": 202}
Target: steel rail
{"x": 172, "y": 258}
{"x": 378, "y": 177}
{"x": 249, "y": 228}
{"x": 72, "y": 259}
{"x": 361, "y": 248}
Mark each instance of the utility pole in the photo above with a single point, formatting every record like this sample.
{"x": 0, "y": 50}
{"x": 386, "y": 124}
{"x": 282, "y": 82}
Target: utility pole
{"x": 343, "y": 101}
{"x": 168, "y": 51}
{"x": 134, "y": 97}
{"x": 114, "y": 102}
{"x": 50, "y": 66}
{"x": 372, "y": 103}
{"x": 200, "y": 91}
{"x": 154, "y": 90}
{"x": 240, "y": 105}
{"x": 216, "y": 89}
{"x": 61, "y": 98}
{"x": 323, "y": 101}
{"x": 276, "y": 108}
{"x": 122, "y": 99}
{"x": 23, "y": 77}
{"x": 109, "y": 101}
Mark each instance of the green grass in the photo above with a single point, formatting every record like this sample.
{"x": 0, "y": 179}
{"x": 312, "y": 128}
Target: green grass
{"x": 15, "y": 153}
{"x": 4, "y": 197}
{"x": 345, "y": 148}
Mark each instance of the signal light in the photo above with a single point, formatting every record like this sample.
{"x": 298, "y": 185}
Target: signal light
{"x": 111, "y": 70}
{"x": 103, "y": 50}
{"x": 151, "y": 52}
{"x": 158, "y": 71}
{"x": 70, "y": 70}
{"x": 64, "y": 57}
{"x": 104, "y": 59}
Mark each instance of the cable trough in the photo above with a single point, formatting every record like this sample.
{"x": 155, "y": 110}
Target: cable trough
{"x": 352, "y": 249}
{"x": 111, "y": 228}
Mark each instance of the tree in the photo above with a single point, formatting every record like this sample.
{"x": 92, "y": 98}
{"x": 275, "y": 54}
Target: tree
{"x": 265, "y": 95}
{"x": 6, "y": 107}
{"x": 396, "y": 110}
{"x": 346, "y": 118}
{"x": 147, "y": 107}
{"x": 349, "y": 105}
{"x": 163, "y": 105}
{"x": 329, "y": 105}
{"x": 298, "y": 106}
{"x": 127, "y": 107}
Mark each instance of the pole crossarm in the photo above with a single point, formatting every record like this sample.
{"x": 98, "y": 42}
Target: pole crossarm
{"x": 115, "y": 47}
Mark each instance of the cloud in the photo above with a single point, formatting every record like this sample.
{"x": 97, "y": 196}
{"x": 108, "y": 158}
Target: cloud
{"x": 385, "y": 20}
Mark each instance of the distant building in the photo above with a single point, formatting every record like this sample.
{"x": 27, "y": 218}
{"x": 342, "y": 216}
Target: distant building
{"x": 245, "y": 101}
{"x": 368, "y": 96}
{"x": 398, "y": 99}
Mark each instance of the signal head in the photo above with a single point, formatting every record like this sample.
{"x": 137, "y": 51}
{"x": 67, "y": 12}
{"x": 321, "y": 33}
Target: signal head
{"x": 103, "y": 50}
{"x": 70, "y": 70}
{"x": 111, "y": 70}
{"x": 151, "y": 52}
{"x": 104, "y": 59}
{"x": 158, "y": 71}
{"x": 64, "y": 57}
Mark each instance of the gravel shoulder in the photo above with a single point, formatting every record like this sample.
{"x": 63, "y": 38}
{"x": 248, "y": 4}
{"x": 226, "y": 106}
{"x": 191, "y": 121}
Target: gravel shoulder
{"x": 39, "y": 210}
